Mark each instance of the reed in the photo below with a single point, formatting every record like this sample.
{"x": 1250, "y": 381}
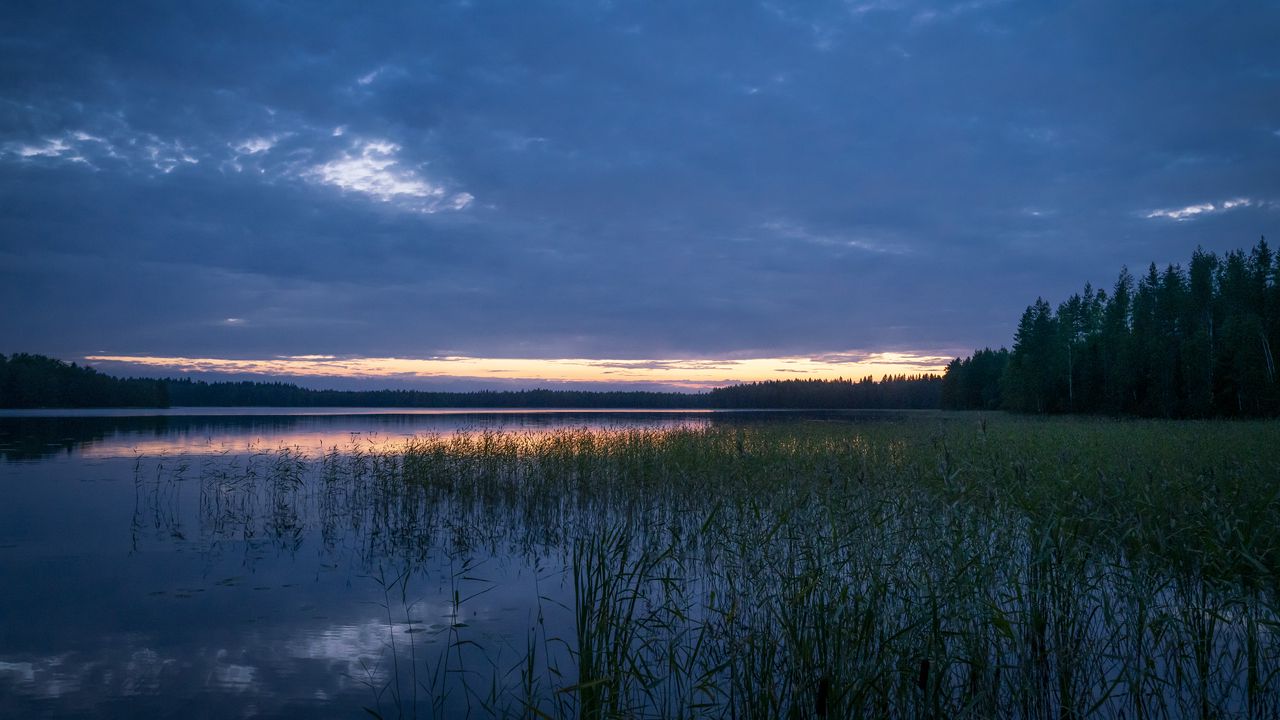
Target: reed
{"x": 951, "y": 566}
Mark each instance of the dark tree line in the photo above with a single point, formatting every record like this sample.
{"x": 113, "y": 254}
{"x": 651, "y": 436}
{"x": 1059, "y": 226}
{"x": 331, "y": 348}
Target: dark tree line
{"x": 973, "y": 383}
{"x": 1198, "y": 341}
{"x": 891, "y": 392}
{"x": 32, "y": 381}
{"x": 198, "y": 393}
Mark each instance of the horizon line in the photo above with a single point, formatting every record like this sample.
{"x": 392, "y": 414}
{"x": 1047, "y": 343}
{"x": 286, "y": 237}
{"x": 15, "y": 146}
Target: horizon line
{"x": 678, "y": 374}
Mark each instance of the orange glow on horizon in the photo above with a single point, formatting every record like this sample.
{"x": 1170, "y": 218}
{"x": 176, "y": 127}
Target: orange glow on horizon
{"x": 686, "y": 373}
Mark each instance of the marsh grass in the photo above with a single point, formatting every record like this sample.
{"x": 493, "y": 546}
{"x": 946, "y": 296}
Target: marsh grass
{"x": 938, "y": 567}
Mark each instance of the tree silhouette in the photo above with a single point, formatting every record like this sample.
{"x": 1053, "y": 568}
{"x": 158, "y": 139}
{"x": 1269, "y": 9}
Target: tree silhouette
{"x": 1173, "y": 343}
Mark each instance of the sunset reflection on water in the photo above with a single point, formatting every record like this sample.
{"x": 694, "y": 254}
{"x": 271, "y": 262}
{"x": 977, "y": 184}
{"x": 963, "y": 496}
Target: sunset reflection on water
{"x": 200, "y": 432}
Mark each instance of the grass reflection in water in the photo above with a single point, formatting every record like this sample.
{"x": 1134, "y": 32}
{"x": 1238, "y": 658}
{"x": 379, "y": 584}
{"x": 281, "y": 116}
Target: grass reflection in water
{"x": 961, "y": 567}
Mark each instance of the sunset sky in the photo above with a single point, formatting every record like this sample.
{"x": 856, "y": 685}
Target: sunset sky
{"x": 596, "y": 194}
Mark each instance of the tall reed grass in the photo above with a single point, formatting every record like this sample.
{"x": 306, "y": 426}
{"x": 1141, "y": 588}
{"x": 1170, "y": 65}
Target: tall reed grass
{"x": 953, "y": 567}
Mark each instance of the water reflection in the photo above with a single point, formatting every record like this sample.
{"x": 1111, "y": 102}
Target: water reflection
{"x": 36, "y": 435}
{"x": 463, "y": 573}
{"x": 266, "y": 568}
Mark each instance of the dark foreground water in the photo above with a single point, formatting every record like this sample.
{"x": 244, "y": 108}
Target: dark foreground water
{"x": 646, "y": 564}
{"x": 127, "y": 590}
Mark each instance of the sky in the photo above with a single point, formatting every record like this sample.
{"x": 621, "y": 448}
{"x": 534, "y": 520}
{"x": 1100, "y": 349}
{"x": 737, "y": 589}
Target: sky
{"x": 646, "y": 194}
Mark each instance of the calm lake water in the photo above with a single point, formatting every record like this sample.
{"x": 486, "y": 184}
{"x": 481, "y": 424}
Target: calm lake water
{"x": 126, "y": 591}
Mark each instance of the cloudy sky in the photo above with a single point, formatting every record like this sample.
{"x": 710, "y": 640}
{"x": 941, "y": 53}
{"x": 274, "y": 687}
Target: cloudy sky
{"x": 666, "y": 192}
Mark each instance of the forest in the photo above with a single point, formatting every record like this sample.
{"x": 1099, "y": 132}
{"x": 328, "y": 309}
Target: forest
{"x": 199, "y": 393}
{"x": 1192, "y": 342}
{"x": 36, "y": 381}
{"x": 31, "y": 381}
{"x": 902, "y": 392}
{"x": 1197, "y": 341}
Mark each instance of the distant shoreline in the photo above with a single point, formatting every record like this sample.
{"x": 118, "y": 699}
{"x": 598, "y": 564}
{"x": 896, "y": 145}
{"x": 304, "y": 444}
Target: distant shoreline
{"x": 293, "y": 411}
{"x": 38, "y": 382}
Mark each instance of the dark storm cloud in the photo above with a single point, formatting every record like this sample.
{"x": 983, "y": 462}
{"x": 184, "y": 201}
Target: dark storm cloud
{"x": 613, "y": 179}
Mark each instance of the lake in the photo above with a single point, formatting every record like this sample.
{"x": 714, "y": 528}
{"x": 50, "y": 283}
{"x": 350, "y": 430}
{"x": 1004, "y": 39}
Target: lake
{"x": 125, "y": 595}
{"x": 595, "y": 564}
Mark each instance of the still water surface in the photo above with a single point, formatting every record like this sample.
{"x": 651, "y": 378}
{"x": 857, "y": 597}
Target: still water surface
{"x": 123, "y": 595}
